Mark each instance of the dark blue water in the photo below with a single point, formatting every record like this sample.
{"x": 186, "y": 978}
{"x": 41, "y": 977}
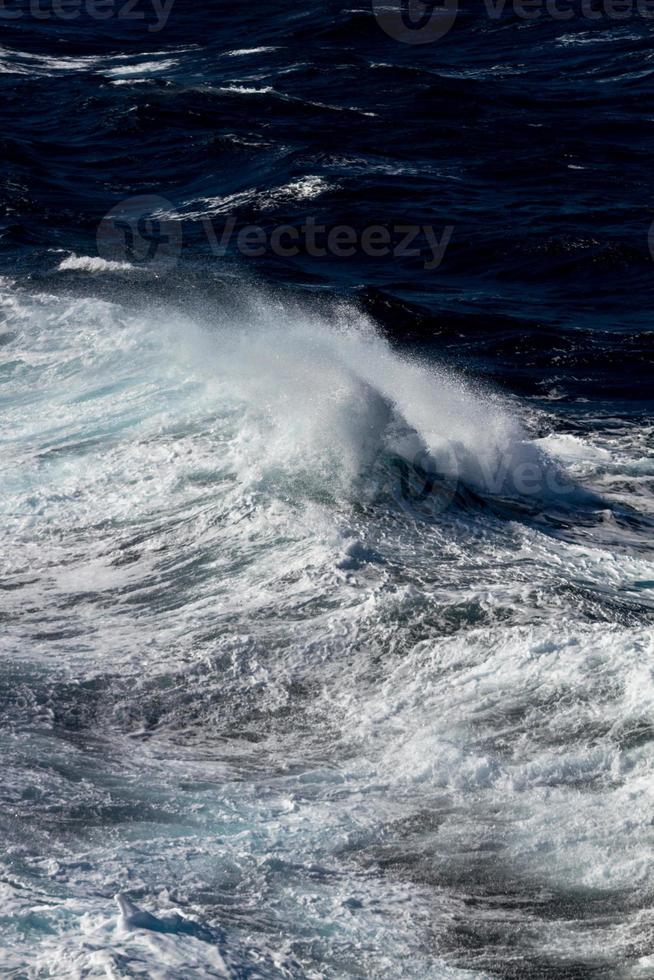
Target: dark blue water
{"x": 326, "y": 373}
{"x": 530, "y": 138}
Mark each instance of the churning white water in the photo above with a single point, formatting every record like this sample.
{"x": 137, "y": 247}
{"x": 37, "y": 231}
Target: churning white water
{"x": 318, "y": 661}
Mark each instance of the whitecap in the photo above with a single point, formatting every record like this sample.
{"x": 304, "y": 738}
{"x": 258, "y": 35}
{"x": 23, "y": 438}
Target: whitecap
{"x": 93, "y": 263}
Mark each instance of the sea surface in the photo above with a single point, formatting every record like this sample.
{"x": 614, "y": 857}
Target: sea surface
{"x": 326, "y": 572}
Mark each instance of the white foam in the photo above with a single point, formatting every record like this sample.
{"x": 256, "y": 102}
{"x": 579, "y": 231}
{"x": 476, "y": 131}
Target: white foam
{"x": 27, "y": 63}
{"x": 306, "y": 188}
{"x": 141, "y": 68}
{"x": 241, "y": 52}
{"x": 572, "y": 449}
{"x": 130, "y": 81}
{"x": 247, "y": 89}
{"x": 93, "y": 263}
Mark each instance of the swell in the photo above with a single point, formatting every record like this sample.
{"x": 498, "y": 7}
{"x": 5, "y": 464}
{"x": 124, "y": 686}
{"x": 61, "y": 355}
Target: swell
{"x": 269, "y": 119}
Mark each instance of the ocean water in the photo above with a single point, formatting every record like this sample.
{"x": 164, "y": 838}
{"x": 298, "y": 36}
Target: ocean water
{"x": 326, "y": 579}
